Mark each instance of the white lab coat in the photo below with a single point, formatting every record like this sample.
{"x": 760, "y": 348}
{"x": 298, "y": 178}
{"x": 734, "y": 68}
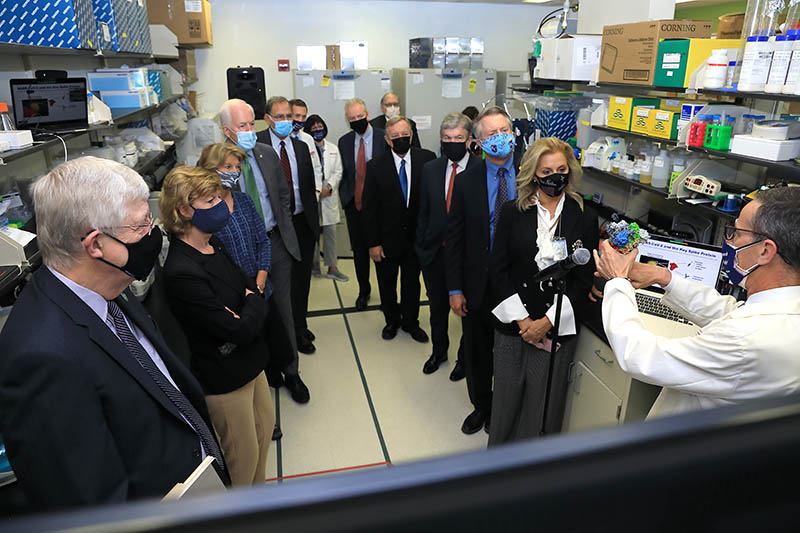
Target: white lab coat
{"x": 332, "y": 167}
{"x": 742, "y": 352}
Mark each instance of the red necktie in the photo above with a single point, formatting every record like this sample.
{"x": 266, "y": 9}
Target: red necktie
{"x": 450, "y": 186}
{"x": 287, "y": 173}
{"x": 361, "y": 172}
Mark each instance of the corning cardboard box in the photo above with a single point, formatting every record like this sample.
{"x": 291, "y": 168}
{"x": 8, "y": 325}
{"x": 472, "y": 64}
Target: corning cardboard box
{"x": 628, "y": 52}
{"x": 189, "y": 20}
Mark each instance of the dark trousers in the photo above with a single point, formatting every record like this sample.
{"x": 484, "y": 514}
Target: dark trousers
{"x": 406, "y": 313}
{"x": 478, "y": 344}
{"x": 301, "y": 272}
{"x": 439, "y": 299}
{"x": 358, "y": 243}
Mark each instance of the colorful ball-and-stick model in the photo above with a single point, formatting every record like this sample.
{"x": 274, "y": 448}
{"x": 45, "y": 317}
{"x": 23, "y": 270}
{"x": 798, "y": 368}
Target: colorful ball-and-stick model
{"x": 625, "y": 237}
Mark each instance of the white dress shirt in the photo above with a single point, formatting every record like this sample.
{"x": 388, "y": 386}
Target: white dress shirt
{"x": 462, "y": 166}
{"x": 741, "y": 352}
{"x": 512, "y": 309}
{"x": 407, "y": 159}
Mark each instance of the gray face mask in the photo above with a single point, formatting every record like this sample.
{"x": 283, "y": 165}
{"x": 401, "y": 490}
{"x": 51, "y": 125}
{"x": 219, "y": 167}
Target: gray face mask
{"x": 229, "y": 179}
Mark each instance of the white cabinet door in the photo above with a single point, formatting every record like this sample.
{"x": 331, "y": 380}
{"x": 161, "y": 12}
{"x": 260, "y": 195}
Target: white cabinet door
{"x": 590, "y": 404}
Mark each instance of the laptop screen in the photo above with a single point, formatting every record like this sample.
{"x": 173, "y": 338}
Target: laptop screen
{"x": 697, "y": 262}
{"x": 51, "y": 105}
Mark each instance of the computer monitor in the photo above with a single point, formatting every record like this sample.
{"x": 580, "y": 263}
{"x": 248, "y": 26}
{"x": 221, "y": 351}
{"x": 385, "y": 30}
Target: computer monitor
{"x": 695, "y": 261}
{"x": 54, "y": 106}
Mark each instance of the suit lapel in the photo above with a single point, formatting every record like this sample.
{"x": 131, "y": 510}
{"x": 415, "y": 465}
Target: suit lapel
{"x": 102, "y": 336}
{"x": 570, "y": 217}
{"x": 271, "y": 184}
{"x": 390, "y": 171}
{"x": 438, "y": 183}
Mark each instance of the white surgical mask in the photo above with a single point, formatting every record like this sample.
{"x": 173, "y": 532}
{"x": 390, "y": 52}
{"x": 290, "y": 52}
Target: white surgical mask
{"x": 392, "y": 111}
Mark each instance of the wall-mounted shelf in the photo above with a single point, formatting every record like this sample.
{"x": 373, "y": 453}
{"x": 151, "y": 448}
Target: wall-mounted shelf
{"x": 11, "y": 155}
{"x": 637, "y": 135}
{"x": 28, "y": 50}
{"x": 758, "y": 96}
{"x": 783, "y": 169}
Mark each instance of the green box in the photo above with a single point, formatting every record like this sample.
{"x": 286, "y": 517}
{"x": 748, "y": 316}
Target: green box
{"x": 671, "y": 63}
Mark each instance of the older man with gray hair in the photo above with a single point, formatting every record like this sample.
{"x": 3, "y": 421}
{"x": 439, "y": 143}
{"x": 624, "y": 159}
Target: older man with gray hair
{"x": 741, "y": 352}
{"x": 263, "y": 181}
{"x": 390, "y": 107}
{"x": 96, "y": 407}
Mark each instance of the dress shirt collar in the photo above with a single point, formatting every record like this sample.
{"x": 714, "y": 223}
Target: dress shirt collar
{"x": 367, "y": 134}
{"x": 96, "y": 303}
{"x": 406, "y": 158}
{"x": 780, "y": 294}
{"x": 276, "y": 141}
{"x": 462, "y": 165}
{"x": 544, "y": 213}
{"x": 492, "y": 168}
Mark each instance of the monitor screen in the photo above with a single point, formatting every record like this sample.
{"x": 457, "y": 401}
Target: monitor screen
{"x": 48, "y": 104}
{"x": 697, "y": 262}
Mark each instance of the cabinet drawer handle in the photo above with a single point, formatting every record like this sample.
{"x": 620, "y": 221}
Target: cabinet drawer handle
{"x": 603, "y": 359}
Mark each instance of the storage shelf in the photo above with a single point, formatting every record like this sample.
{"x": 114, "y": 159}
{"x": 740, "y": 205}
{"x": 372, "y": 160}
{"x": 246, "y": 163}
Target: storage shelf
{"x": 759, "y": 95}
{"x": 789, "y": 168}
{"x": 28, "y": 50}
{"x": 637, "y": 135}
{"x": 136, "y": 114}
{"x": 11, "y": 155}
{"x": 608, "y": 176}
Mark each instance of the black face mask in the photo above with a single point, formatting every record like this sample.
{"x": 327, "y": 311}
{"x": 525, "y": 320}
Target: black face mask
{"x": 359, "y": 126}
{"x": 401, "y": 145}
{"x": 554, "y": 184}
{"x": 454, "y": 151}
{"x": 142, "y": 255}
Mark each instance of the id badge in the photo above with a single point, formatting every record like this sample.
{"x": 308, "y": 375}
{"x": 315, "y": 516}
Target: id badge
{"x": 559, "y": 248}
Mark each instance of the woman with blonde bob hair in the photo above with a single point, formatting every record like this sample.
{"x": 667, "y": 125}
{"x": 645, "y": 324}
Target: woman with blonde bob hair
{"x": 546, "y": 223}
{"x": 219, "y": 309}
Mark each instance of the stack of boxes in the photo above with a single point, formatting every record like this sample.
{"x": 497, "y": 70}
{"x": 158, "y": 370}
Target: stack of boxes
{"x": 655, "y": 117}
{"x": 446, "y": 52}
{"x": 123, "y": 88}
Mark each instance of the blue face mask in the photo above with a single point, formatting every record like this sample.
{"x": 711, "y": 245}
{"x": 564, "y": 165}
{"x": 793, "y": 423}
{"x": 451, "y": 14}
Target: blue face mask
{"x": 246, "y": 140}
{"x": 736, "y": 274}
{"x": 282, "y": 128}
{"x": 229, "y": 179}
{"x": 212, "y": 219}
{"x": 499, "y": 145}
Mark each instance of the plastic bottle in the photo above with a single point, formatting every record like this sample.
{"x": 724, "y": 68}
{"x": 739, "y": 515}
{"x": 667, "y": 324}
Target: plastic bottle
{"x": 5, "y": 121}
{"x": 761, "y": 21}
{"x": 677, "y": 169}
{"x": 646, "y": 173}
{"x": 716, "y": 70}
{"x": 662, "y": 166}
{"x": 781, "y": 59}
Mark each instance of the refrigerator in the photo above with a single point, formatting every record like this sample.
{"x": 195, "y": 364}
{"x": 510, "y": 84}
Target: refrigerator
{"x": 326, "y": 91}
{"x": 427, "y": 95}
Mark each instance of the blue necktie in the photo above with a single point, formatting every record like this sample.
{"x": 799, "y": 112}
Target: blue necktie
{"x": 404, "y": 180}
{"x": 180, "y": 401}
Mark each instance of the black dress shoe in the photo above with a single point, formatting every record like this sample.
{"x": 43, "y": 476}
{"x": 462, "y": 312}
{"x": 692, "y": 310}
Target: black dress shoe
{"x": 458, "y": 372}
{"x": 389, "y": 332}
{"x": 361, "y": 302}
{"x": 417, "y": 334}
{"x": 309, "y": 335}
{"x": 297, "y": 389}
{"x": 305, "y": 346}
{"x": 432, "y": 364}
{"x": 277, "y": 434}
{"x": 474, "y": 422}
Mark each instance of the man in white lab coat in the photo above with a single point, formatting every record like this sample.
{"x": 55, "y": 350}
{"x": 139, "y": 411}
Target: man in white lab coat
{"x": 742, "y": 351}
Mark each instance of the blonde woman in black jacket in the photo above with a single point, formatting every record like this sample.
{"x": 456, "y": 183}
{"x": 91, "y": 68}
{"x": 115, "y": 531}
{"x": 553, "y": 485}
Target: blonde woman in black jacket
{"x": 547, "y": 222}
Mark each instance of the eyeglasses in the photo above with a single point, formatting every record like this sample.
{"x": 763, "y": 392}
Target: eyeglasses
{"x": 146, "y": 227}
{"x": 730, "y": 232}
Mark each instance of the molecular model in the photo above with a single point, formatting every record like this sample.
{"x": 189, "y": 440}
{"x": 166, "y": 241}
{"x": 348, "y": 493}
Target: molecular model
{"x": 625, "y": 237}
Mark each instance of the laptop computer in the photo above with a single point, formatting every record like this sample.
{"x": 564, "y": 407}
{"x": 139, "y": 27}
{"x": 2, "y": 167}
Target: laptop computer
{"x": 698, "y": 262}
{"x": 45, "y": 106}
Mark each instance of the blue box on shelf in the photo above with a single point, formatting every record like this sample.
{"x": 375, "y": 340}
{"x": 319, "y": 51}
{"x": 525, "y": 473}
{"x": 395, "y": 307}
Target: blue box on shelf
{"x": 51, "y": 23}
{"x": 122, "y": 26}
{"x": 136, "y": 99}
{"x": 107, "y": 37}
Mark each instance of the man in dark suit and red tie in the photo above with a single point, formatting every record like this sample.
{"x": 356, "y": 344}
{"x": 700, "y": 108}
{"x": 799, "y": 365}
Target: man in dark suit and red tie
{"x": 357, "y": 148}
{"x": 391, "y": 205}
{"x": 438, "y": 181}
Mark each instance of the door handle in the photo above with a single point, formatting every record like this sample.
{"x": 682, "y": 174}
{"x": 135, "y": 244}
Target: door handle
{"x": 603, "y": 359}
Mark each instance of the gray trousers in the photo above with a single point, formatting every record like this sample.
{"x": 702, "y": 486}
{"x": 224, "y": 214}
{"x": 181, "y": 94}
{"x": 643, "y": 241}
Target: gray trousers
{"x": 520, "y": 382}
{"x": 328, "y": 247}
{"x": 281, "y": 277}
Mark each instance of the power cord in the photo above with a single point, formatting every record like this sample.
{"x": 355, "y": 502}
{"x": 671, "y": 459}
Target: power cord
{"x": 63, "y": 143}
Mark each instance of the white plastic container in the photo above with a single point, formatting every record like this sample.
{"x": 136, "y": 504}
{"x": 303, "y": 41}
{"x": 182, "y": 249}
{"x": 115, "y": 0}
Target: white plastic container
{"x": 781, "y": 58}
{"x": 792, "y": 84}
{"x": 756, "y": 63}
{"x": 662, "y": 166}
{"x": 716, "y": 70}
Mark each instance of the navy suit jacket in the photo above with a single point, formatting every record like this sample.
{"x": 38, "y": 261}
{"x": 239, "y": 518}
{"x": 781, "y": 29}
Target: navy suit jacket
{"x": 347, "y": 187}
{"x": 82, "y": 421}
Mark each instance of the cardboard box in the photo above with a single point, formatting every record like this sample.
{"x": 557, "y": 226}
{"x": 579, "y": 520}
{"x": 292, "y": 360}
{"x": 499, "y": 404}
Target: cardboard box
{"x": 670, "y": 104}
{"x": 629, "y": 51}
{"x": 671, "y": 61}
{"x": 640, "y": 120}
{"x": 578, "y": 57}
{"x": 67, "y": 24}
{"x": 189, "y": 20}
{"x": 664, "y": 124}
{"x": 620, "y": 110}
{"x": 730, "y": 26}
{"x": 187, "y": 64}
{"x": 333, "y": 57}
